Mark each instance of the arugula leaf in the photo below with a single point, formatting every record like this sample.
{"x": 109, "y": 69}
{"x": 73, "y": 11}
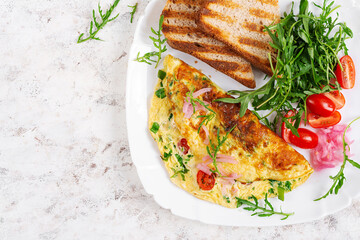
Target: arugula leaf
{"x": 133, "y": 11}
{"x": 105, "y": 18}
{"x": 158, "y": 42}
{"x": 266, "y": 211}
{"x": 213, "y": 150}
{"x": 206, "y": 118}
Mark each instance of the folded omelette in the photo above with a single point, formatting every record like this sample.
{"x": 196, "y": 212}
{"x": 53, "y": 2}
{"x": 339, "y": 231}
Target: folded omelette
{"x": 211, "y": 152}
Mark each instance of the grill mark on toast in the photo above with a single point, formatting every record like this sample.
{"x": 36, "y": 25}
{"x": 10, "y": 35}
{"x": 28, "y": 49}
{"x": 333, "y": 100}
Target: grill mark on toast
{"x": 261, "y": 14}
{"x": 254, "y": 43}
{"x": 270, "y": 2}
{"x": 253, "y": 27}
{"x": 195, "y": 46}
{"x": 176, "y": 29}
{"x": 173, "y": 14}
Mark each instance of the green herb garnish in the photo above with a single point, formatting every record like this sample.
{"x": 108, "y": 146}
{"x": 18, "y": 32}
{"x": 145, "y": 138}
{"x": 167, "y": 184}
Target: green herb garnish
{"x": 183, "y": 170}
{"x": 155, "y": 127}
{"x": 171, "y": 116}
{"x": 213, "y": 150}
{"x": 161, "y": 74}
{"x": 266, "y": 211}
{"x": 160, "y": 93}
{"x": 158, "y": 43}
{"x": 167, "y": 155}
{"x": 206, "y": 118}
{"x": 105, "y": 18}
{"x": 307, "y": 48}
{"x": 226, "y": 198}
{"x": 133, "y": 11}
{"x": 339, "y": 178}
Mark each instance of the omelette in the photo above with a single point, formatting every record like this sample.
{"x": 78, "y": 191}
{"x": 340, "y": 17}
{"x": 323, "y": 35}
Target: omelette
{"x": 209, "y": 150}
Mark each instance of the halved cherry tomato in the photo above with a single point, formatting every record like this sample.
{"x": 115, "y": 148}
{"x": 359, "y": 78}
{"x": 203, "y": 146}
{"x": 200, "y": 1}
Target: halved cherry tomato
{"x": 307, "y": 139}
{"x": 337, "y": 97}
{"x": 183, "y": 145}
{"x": 346, "y": 78}
{"x": 285, "y": 132}
{"x": 317, "y": 121}
{"x": 206, "y": 182}
{"x": 320, "y": 105}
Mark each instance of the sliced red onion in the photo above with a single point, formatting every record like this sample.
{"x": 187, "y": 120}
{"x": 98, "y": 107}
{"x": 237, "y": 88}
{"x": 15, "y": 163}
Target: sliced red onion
{"x": 201, "y": 91}
{"x": 329, "y": 152}
{"x": 206, "y": 141}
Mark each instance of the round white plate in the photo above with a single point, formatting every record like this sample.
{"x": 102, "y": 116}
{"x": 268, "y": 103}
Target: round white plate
{"x": 141, "y": 81}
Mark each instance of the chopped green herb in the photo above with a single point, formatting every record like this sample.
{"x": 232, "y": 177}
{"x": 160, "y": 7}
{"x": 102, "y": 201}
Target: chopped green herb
{"x": 170, "y": 116}
{"x": 176, "y": 172}
{"x": 288, "y": 186}
{"x": 133, "y": 11}
{"x": 227, "y": 199}
{"x": 266, "y": 211}
{"x": 339, "y": 178}
{"x": 167, "y": 155}
{"x": 105, "y": 18}
{"x": 160, "y": 93}
{"x": 183, "y": 170}
{"x": 158, "y": 42}
{"x": 155, "y": 127}
{"x": 271, "y": 190}
{"x": 161, "y": 74}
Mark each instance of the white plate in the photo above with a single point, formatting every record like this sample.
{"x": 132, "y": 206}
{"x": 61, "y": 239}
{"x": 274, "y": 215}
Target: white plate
{"x": 141, "y": 80}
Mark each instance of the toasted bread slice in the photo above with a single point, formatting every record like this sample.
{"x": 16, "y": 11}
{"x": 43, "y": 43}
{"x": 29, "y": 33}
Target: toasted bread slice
{"x": 182, "y": 33}
{"x": 240, "y": 24}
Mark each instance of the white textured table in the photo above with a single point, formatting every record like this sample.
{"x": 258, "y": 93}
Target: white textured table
{"x": 65, "y": 166}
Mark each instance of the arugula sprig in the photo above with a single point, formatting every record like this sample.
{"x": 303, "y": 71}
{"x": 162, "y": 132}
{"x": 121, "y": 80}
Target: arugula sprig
{"x": 133, "y": 11}
{"x": 339, "y": 178}
{"x": 105, "y": 18}
{"x": 158, "y": 42}
{"x": 307, "y": 47}
{"x": 206, "y": 118}
{"x": 266, "y": 211}
{"x": 213, "y": 150}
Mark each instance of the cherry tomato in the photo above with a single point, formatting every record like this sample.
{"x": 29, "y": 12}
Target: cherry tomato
{"x": 206, "y": 182}
{"x": 346, "y": 78}
{"x": 337, "y": 97}
{"x": 307, "y": 139}
{"x": 317, "y": 121}
{"x": 285, "y": 132}
{"x": 183, "y": 145}
{"x": 320, "y": 105}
